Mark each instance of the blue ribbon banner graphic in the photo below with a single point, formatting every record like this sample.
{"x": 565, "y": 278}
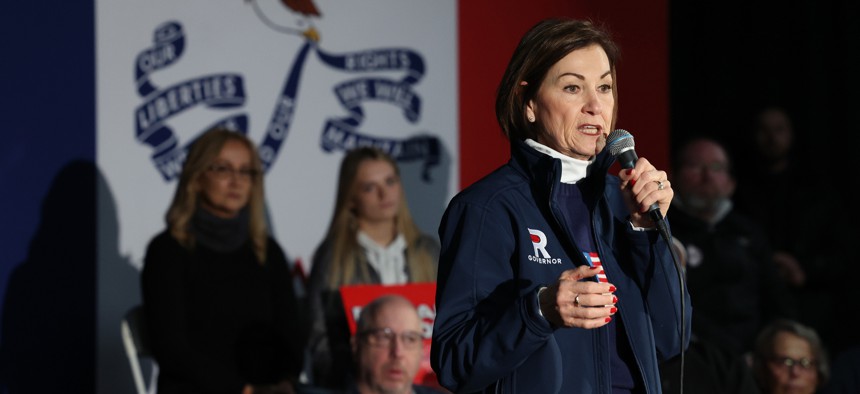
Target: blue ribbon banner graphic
{"x": 341, "y": 133}
{"x": 224, "y": 91}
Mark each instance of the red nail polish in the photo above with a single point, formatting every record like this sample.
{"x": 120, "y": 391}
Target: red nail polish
{"x": 614, "y": 299}
{"x": 594, "y": 267}
{"x": 611, "y": 288}
{"x": 613, "y": 310}
{"x": 629, "y": 171}
{"x": 632, "y": 182}
{"x": 608, "y": 319}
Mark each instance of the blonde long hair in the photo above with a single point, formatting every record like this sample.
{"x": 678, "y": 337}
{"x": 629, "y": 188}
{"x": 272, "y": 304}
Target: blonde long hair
{"x": 202, "y": 154}
{"x": 342, "y": 234}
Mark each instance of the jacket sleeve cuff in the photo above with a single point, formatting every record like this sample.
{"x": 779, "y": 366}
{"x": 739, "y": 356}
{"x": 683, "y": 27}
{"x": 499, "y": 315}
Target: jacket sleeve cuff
{"x": 635, "y": 228}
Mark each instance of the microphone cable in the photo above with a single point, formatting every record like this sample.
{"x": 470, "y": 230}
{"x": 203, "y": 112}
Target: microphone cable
{"x": 667, "y": 237}
{"x": 621, "y": 145}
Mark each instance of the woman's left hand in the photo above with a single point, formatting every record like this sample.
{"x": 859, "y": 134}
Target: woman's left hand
{"x": 642, "y": 186}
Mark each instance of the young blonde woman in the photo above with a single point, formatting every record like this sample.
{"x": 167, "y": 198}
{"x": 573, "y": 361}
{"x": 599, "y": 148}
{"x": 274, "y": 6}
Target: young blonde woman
{"x": 219, "y": 302}
{"x": 371, "y": 239}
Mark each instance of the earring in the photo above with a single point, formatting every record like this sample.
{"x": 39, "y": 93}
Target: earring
{"x": 531, "y": 118}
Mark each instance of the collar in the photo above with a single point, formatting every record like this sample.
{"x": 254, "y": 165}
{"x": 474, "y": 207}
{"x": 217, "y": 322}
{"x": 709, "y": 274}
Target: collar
{"x": 543, "y": 169}
{"x": 572, "y": 170}
{"x": 388, "y": 261}
{"x": 217, "y": 233}
{"x": 396, "y": 246}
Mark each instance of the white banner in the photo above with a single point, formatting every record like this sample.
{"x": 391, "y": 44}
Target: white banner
{"x": 304, "y": 84}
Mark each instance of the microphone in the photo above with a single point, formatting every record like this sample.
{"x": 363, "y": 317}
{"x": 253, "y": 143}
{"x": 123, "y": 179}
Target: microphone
{"x": 620, "y": 144}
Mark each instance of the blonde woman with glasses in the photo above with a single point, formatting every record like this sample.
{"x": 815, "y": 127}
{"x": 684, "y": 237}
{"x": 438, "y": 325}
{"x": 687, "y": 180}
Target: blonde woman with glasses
{"x": 218, "y": 297}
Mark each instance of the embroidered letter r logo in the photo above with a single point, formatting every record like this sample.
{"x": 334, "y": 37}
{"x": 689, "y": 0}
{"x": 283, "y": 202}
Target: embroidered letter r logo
{"x": 539, "y": 243}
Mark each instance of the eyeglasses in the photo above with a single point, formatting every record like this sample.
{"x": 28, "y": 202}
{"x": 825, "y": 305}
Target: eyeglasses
{"x": 787, "y": 362}
{"x": 222, "y": 171}
{"x": 384, "y": 337}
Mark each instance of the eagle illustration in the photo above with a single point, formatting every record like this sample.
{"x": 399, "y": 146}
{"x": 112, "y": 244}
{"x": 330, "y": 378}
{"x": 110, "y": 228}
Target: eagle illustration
{"x": 304, "y": 7}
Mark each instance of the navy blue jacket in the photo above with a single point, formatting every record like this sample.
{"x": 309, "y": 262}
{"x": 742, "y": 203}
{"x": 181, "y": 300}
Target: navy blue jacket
{"x": 488, "y": 334}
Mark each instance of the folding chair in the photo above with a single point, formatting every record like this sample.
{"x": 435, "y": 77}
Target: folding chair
{"x": 136, "y": 344}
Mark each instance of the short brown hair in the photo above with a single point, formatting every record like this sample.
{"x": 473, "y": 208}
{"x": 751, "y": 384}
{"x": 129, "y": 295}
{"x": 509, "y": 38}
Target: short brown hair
{"x": 540, "y": 48}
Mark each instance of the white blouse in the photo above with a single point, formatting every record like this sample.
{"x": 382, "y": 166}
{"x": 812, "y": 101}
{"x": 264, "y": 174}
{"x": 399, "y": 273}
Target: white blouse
{"x": 389, "y": 261}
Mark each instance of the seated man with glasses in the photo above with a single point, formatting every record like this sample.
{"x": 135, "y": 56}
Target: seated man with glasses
{"x": 388, "y": 348}
{"x": 789, "y": 358}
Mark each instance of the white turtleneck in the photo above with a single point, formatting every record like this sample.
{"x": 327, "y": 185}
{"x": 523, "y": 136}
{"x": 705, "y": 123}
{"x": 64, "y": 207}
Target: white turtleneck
{"x": 572, "y": 170}
{"x": 389, "y": 261}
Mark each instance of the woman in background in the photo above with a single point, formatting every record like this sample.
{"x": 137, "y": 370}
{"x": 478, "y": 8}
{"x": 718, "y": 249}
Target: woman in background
{"x": 371, "y": 240}
{"x": 218, "y": 297}
{"x": 789, "y": 358}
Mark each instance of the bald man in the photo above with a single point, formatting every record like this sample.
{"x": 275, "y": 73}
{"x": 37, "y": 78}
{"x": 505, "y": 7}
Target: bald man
{"x": 388, "y": 348}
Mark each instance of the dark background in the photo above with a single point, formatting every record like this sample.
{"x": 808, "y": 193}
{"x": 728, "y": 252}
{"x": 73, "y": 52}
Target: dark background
{"x": 730, "y": 57}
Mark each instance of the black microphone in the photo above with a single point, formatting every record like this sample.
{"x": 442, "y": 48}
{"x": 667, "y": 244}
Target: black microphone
{"x": 620, "y": 144}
